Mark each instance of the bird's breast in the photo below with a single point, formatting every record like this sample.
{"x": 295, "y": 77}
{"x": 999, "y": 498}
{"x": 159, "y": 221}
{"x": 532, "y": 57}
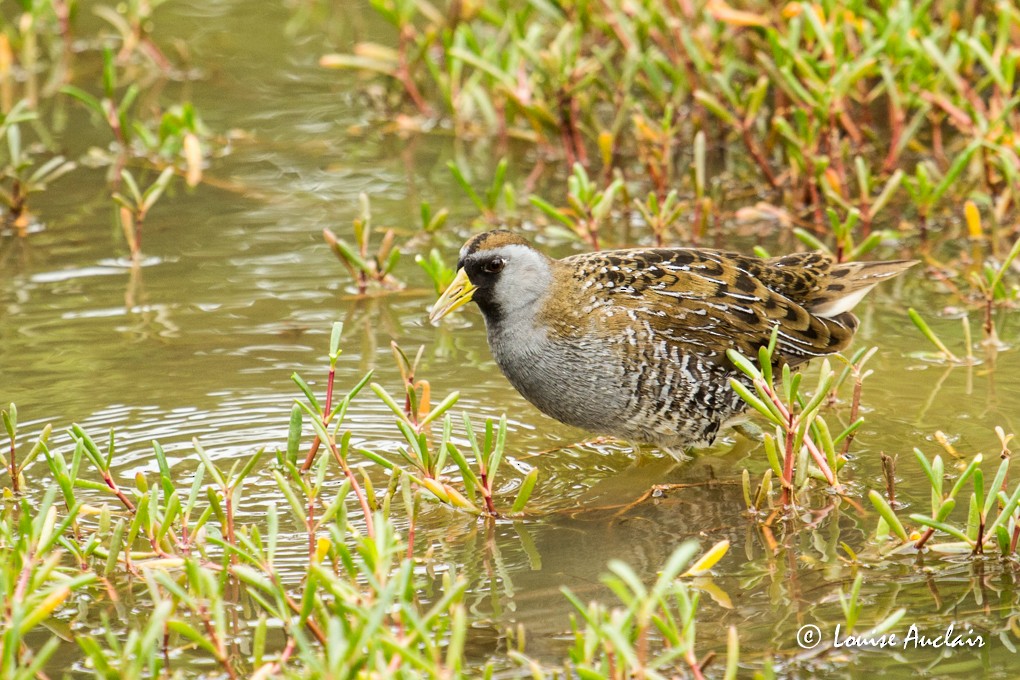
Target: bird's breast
{"x": 574, "y": 379}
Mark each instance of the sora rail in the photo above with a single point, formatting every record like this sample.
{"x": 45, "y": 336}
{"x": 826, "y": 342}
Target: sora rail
{"x": 632, "y": 343}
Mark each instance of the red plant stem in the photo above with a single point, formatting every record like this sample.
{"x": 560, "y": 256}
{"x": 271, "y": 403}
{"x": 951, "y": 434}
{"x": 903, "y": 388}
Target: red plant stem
{"x": 487, "y": 494}
{"x": 410, "y": 534}
{"x": 116, "y": 490}
{"x": 855, "y": 406}
{"x": 1016, "y": 536}
{"x": 850, "y": 126}
{"x": 409, "y": 387}
{"x": 166, "y": 648}
{"x": 593, "y": 233}
{"x": 888, "y": 466}
{"x": 788, "y": 466}
{"x": 271, "y": 668}
{"x": 896, "y": 120}
{"x": 692, "y": 661}
{"x": 137, "y": 249}
{"x": 114, "y": 122}
{"x": 823, "y": 465}
{"x": 575, "y": 131}
{"x": 816, "y": 201}
{"x": 152, "y": 51}
{"x": 565, "y": 139}
{"x": 834, "y": 152}
{"x": 23, "y": 578}
{"x": 404, "y": 74}
{"x": 314, "y": 449}
{"x": 310, "y": 458}
{"x": 695, "y": 223}
{"x": 365, "y": 509}
{"x": 989, "y": 325}
{"x": 924, "y": 538}
{"x": 228, "y": 498}
{"x": 819, "y": 457}
{"x": 221, "y": 651}
{"x": 758, "y": 157}
{"x": 287, "y": 651}
{"x": 63, "y": 11}
{"x": 979, "y": 544}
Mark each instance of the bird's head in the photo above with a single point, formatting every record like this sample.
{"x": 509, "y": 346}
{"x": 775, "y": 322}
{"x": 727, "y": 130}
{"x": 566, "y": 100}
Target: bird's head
{"x": 500, "y": 271}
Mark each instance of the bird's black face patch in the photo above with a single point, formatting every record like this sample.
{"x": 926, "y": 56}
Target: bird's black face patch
{"x": 483, "y": 270}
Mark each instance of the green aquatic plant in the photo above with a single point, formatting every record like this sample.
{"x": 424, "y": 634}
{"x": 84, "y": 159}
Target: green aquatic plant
{"x": 661, "y": 216}
{"x": 134, "y": 206}
{"x": 801, "y": 435}
{"x": 588, "y": 205}
{"x": 651, "y": 632}
{"x": 36, "y": 50}
{"x": 944, "y": 352}
{"x": 440, "y": 273}
{"x": 500, "y": 190}
{"x": 326, "y": 414}
{"x": 985, "y": 286}
{"x": 375, "y": 269}
{"x": 14, "y": 464}
{"x": 359, "y": 606}
{"x": 433, "y": 221}
{"x": 175, "y": 136}
{"x": 993, "y": 517}
{"x": 21, "y": 173}
{"x": 361, "y": 601}
{"x": 34, "y": 582}
{"x": 993, "y": 291}
{"x": 133, "y": 23}
{"x": 426, "y": 460}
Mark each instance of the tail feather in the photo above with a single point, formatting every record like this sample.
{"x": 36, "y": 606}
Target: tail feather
{"x": 847, "y": 283}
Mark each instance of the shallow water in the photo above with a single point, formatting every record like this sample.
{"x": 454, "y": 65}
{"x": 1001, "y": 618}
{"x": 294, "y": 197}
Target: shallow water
{"x": 238, "y": 291}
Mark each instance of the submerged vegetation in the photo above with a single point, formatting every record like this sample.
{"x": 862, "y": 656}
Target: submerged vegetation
{"x": 849, "y": 127}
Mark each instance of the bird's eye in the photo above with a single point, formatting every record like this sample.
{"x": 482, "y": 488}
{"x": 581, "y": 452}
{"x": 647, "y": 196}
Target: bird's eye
{"x": 494, "y": 266}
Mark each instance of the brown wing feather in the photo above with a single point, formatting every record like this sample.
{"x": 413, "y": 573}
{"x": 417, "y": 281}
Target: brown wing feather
{"x": 706, "y": 302}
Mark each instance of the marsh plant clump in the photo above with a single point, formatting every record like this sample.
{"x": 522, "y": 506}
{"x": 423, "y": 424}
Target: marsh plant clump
{"x": 843, "y": 105}
{"x": 361, "y": 609}
{"x": 41, "y": 54}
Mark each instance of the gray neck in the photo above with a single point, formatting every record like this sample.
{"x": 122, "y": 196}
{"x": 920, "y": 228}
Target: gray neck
{"x": 515, "y": 336}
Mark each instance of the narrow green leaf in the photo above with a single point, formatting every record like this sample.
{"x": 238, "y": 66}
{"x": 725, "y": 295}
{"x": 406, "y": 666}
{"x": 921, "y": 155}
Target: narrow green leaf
{"x": 887, "y": 514}
{"x": 527, "y": 486}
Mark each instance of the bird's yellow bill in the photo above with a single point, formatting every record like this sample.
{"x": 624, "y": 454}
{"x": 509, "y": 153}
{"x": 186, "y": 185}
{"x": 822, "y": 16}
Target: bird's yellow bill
{"x": 457, "y": 294}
